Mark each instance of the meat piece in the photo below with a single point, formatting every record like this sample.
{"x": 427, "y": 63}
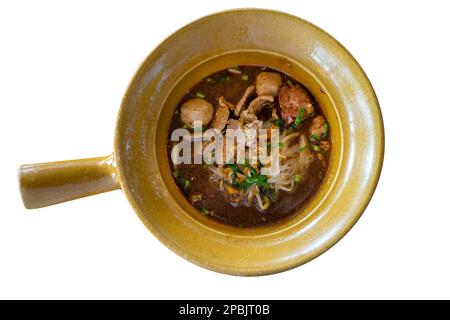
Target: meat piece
{"x": 247, "y": 117}
{"x": 196, "y": 110}
{"x": 274, "y": 114}
{"x": 256, "y": 124}
{"x": 197, "y": 197}
{"x": 234, "y": 124}
{"x": 223, "y": 102}
{"x": 221, "y": 117}
{"x": 292, "y": 99}
{"x": 233, "y": 195}
{"x": 251, "y": 131}
{"x": 258, "y": 103}
{"x": 318, "y": 129}
{"x": 268, "y": 83}
{"x": 248, "y": 92}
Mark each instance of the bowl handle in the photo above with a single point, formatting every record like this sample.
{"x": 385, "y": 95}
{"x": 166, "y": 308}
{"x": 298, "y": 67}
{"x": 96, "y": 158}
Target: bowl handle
{"x": 45, "y": 184}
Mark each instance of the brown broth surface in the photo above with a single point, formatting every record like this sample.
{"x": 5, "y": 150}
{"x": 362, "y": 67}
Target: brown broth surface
{"x": 232, "y": 86}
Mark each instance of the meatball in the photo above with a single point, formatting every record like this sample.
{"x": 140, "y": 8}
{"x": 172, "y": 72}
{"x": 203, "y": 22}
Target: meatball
{"x": 291, "y": 99}
{"x": 318, "y": 129}
{"x": 196, "y": 110}
{"x": 268, "y": 84}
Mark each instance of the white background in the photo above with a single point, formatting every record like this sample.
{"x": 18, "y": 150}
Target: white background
{"x": 63, "y": 70}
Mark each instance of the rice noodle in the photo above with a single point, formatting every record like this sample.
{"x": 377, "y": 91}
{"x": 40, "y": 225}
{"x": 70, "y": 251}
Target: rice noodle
{"x": 295, "y": 158}
{"x": 295, "y": 161}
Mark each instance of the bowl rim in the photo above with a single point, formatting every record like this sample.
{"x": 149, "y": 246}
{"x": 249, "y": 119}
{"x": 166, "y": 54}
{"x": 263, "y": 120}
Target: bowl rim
{"x": 338, "y": 235}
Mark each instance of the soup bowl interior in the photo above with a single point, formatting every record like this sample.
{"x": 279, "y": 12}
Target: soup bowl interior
{"x": 253, "y": 37}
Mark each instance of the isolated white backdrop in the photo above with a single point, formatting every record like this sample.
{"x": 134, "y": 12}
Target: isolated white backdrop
{"x": 64, "y": 67}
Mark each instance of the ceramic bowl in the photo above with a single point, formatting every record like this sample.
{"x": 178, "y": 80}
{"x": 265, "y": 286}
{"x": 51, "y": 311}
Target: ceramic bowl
{"x": 139, "y": 164}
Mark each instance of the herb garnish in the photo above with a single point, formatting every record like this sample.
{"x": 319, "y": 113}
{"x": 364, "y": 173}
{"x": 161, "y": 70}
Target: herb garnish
{"x": 299, "y": 117}
{"x": 200, "y": 95}
{"x": 176, "y": 173}
{"x": 259, "y": 180}
{"x": 325, "y": 133}
{"x": 277, "y": 122}
{"x": 303, "y": 148}
{"x": 185, "y": 183}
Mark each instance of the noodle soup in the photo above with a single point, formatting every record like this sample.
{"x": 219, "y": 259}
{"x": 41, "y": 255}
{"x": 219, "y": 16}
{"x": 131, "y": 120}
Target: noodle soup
{"x": 241, "y": 190}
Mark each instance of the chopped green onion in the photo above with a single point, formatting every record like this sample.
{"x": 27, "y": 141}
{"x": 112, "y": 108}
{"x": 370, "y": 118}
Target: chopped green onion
{"x": 315, "y": 148}
{"x": 314, "y": 137}
{"x": 303, "y": 148}
{"x": 204, "y": 211}
{"x": 277, "y": 122}
{"x": 228, "y": 79}
{"x": 185, "y": 183}
{"x": 289, "y": 83}
{"x": 255, "y": 178}
{"x": 235, "y": 169}
{"x": 297, "y": 178}
{"x": 200, "y": 95}
{"x": 299, "y": 118}
{"x": 260, "y": 164}
{"x": 325, "y": 133}
{"x": 209, "y": 79}
{"x": 244, "y": 77}
{"x": 176, "y": 173}
{"x": 247, "y": 164}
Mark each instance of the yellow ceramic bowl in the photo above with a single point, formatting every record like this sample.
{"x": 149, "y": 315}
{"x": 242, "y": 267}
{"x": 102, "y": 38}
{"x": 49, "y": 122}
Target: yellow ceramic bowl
{"x": 139, "y": 164}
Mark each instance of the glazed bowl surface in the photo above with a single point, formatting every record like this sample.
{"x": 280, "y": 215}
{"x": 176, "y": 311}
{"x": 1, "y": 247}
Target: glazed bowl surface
{"x": 257, "y": 37}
